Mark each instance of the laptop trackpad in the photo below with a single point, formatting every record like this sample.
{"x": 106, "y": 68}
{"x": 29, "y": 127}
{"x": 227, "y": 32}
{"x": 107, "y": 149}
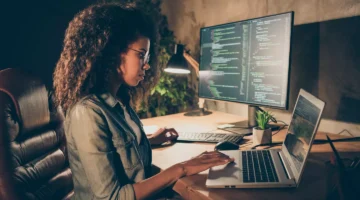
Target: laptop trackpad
{"x": 230, "y": 173}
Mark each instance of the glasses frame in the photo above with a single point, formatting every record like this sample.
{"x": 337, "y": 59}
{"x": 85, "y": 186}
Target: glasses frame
{"x": 146, "y": 56}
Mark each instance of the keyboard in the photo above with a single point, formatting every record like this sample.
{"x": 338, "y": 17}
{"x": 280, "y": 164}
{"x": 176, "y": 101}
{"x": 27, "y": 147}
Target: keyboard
{"x": 258, "y": 166}
{"x": 209, "y": 137}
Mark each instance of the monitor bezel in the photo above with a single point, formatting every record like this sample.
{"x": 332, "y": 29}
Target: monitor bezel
{"x": 286, "y": 107}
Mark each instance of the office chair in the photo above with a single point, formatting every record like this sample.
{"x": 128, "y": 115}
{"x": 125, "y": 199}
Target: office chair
{"x": 33, "y": 159}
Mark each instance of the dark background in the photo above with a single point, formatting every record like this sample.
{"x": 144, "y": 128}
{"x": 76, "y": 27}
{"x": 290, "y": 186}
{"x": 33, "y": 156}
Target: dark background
{"x": 325, "y": 55}
{"x": 33, "y": 32}
{"x": 326, "y": 62}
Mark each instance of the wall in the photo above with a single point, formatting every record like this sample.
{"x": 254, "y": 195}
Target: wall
{"x": 32, "y": 33}
{"x": 325, "y": 57}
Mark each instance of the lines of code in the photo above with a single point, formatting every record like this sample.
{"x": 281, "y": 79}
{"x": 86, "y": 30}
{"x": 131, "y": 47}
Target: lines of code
{"x": 247, "y": 61}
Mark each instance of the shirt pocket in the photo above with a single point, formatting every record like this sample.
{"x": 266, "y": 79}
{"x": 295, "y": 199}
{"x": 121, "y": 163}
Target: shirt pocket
{"x": 128, "y": 153}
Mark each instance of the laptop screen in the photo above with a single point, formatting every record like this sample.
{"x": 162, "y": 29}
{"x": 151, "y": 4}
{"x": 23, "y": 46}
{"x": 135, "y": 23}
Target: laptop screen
{"x": 301, "y": 130}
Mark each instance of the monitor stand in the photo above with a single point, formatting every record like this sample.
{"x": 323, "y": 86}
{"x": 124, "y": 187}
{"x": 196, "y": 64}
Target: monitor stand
{"x": 251, "y": 122}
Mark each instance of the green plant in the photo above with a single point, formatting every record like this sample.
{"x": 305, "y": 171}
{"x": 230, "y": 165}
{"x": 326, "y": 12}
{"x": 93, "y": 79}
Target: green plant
{"x": 170, "y": 95}
{"x": 262, "y": 119}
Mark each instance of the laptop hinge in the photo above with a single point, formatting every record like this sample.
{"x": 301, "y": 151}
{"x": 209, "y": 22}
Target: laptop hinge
{"x": 284, "y": 162}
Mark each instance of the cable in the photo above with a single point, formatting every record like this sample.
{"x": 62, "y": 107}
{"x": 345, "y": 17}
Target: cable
{"x": 225, "y": 129}
{"x": 279, "y": 130}
{"x": 319, "y": 141}
{"x": 285, "y": 124}
{"x": 346, "y": 131}
{"x": 281, "y": 127}
{"x": 267, "y": 144}
{"x": 316, "y": 141}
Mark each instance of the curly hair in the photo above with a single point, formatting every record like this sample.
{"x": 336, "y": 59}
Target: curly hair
{"x": 93, "y": 42}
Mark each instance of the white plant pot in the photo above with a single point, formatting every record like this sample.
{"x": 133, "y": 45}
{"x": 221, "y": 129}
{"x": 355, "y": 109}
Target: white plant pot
{"x": 262, "y": 136}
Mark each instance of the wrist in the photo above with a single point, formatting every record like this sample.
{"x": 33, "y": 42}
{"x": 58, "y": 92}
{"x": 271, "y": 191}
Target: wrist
{"x": 151, "y": 139}
{"x": 181, "y": 170}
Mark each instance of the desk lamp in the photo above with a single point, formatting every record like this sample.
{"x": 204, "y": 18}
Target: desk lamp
{"x": 178, "y": 65}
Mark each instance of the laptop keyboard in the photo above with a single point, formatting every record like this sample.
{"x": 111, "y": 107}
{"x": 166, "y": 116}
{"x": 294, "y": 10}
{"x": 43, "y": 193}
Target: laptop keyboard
{"x": 209, "y": 137}
{"x": 258, "y": 166}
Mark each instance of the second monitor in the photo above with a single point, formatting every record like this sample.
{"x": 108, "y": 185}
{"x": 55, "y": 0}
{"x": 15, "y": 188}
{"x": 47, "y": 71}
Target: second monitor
{"x": 247, "y": 62}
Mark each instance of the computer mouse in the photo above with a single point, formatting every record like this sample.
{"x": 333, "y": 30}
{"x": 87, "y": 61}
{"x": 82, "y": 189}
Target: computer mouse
{"x": 226, "y": 145}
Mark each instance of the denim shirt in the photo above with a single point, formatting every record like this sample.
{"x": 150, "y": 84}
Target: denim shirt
{"x": 104, "y": 155}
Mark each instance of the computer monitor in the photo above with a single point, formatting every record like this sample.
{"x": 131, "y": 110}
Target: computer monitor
{"x": 247, "y": 62}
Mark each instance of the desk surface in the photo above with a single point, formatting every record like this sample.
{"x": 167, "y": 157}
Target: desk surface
{"x": 313, "y": 183}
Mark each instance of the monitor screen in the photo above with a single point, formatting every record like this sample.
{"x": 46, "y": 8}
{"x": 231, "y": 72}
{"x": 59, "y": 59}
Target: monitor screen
{"x": 247, "y": 61}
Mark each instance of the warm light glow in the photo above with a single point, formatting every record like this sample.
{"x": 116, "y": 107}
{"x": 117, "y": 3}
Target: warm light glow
{"x": 177, "y": 71}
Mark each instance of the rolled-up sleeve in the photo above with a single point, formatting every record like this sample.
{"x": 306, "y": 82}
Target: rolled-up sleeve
{"x": 92, "y": 138}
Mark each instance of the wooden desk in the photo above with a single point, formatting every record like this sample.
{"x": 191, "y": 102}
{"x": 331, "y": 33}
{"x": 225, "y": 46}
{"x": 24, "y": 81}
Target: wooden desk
{"x": 313, "y": 183}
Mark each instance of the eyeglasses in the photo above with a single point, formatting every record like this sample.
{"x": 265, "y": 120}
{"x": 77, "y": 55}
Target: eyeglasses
{"x": 145, "y": 57}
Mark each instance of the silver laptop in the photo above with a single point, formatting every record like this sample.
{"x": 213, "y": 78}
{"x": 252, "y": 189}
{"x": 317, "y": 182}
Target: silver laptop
{"x": 275, "y": 167}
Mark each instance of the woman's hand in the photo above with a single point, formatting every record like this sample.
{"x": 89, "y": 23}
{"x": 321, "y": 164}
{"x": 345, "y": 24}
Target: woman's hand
{"x": 163, "y": 135}
{"x": 204, "y": 161}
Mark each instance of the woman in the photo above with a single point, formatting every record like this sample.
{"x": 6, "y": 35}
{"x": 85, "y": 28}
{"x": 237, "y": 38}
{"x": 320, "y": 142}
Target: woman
{"x": 105, "y": 55}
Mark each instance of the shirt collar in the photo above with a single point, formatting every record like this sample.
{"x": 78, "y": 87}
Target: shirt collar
{"x": 109, "y": 99}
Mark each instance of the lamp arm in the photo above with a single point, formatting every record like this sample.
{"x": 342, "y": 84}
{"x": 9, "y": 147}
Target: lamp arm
{"x": 194, "y": 64}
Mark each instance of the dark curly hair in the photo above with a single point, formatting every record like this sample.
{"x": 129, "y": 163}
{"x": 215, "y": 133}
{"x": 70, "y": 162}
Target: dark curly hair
{"x": 93, "y": 42}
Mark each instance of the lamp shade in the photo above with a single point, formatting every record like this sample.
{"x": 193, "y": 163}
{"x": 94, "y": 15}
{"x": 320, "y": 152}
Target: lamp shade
{"x": 177, "y": 63}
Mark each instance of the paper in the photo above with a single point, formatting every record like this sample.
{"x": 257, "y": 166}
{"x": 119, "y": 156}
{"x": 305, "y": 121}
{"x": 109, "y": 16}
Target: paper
{"x": 150, "y": 129}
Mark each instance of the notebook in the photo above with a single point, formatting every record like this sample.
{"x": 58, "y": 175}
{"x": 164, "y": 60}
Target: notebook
{"x": 274, "y": 168}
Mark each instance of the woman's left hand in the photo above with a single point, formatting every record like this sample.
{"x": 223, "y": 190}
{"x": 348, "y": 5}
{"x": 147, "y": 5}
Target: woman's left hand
{"x": 163, "y": 135}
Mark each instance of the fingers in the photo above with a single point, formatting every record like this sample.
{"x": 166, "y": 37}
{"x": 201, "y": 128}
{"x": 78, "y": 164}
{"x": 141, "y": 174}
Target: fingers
{"x": 215, "y": 161}
{"x": 173, "y": 131}
{"x": 214, "y": 157}
{"x": 221, "y": 162}
{"x": 205, "y": 161}
{"x": 218, "y": 161}
{"x": 212, "y": 153}
{"x": 171, "y": 134}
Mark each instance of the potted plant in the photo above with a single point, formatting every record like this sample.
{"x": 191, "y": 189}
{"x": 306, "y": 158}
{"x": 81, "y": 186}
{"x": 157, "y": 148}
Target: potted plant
{"x": 262, "y": 132}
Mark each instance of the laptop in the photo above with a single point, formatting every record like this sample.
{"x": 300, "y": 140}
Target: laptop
{"x": 274, "y": 168}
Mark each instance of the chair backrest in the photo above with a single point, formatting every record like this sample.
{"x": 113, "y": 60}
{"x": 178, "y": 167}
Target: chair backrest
{"x": 33, "y": 159}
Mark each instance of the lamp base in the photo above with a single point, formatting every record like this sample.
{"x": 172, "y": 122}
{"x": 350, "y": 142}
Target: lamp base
{"x": 200, "y": 112}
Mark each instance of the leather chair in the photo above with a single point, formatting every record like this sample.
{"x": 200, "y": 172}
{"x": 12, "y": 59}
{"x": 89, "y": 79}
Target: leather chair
{"x": 33, "y": 159}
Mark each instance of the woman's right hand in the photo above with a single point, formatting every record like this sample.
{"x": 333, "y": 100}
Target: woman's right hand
{"x": 204, "y": 161}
